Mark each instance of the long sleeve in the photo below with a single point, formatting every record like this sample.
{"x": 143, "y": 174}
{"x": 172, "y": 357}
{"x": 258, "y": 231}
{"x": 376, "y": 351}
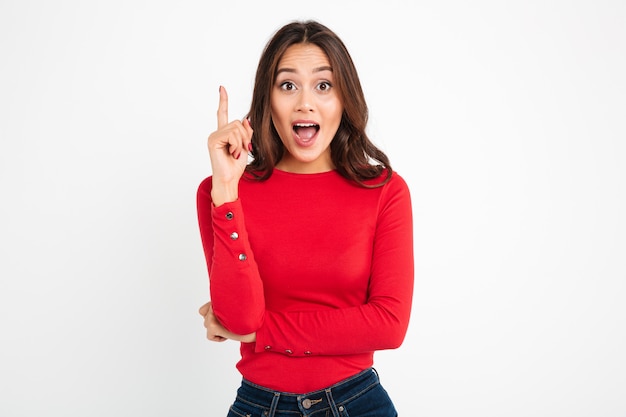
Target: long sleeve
{"x": 381, "y": 322}
{"x": 235, "y": 285}
{"x": 320, "y": 268}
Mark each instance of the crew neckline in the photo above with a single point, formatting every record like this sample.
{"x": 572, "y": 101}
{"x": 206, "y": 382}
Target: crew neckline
{"x": 305, "y": 175}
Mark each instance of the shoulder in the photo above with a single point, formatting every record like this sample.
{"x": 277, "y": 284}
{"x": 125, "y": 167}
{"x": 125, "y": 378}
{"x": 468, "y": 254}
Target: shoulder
{"x": 395, "y": 181}
{"x": 395, "y": 193}
{"x": 203, "y": 192}
{"x": 206, "y": 184}
{"x": 398, "y": 182}
{"x": 397, "y": 187}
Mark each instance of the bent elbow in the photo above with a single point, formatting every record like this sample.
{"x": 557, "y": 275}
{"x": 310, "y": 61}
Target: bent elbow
{"x": 395, "y": 323}
{"x": 396, "y": 340}
{"x": 242, "y": 323}
{"x": 396, "y": 333}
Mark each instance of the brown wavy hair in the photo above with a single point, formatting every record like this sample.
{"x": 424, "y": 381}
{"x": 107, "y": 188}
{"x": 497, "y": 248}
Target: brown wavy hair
{"x": 353, "y": 154}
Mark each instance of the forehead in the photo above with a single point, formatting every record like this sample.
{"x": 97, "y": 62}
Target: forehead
{"x": 303, "y": 55}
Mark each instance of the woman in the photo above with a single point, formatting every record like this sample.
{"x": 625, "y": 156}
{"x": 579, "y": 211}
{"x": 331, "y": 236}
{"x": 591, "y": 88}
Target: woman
{"x": 307, "y": 234}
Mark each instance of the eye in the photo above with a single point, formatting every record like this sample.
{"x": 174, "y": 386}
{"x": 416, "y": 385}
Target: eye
{"x": 324, "y": 86}
{"x": 287, "y": 86}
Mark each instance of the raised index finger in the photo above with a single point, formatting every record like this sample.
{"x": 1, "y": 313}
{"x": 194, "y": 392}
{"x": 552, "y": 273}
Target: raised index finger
{"x": 222, "y": 109}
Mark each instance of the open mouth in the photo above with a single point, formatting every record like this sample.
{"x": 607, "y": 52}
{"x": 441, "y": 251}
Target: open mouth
{"x": 306, "y": 131}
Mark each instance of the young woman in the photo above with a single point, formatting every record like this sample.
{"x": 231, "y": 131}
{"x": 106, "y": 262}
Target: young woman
{"x": 308, "y": 236}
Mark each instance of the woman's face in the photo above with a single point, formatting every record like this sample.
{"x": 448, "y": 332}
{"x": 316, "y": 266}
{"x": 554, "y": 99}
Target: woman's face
{"x": 306, "y": 109}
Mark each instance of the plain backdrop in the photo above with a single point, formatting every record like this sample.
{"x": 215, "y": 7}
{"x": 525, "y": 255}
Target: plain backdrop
{"x": 506, "y": 118}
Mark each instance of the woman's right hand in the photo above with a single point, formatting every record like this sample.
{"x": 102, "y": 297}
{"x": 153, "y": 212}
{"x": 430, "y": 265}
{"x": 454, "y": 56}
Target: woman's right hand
{"x": 228, "y": 151}
{"x": 215, "y": 332}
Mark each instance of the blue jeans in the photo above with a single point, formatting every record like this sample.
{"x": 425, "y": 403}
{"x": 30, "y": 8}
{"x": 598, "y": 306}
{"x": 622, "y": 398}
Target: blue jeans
{"x": 358, "y": 396}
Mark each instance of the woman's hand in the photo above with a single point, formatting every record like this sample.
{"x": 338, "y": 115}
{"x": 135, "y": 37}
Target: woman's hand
{"x": 228, "y": 151}
{"x": 218, "y": 333}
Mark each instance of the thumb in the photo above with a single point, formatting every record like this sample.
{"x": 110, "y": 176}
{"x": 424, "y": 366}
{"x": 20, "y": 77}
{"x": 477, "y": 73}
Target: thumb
{"x": 204, "y": 309}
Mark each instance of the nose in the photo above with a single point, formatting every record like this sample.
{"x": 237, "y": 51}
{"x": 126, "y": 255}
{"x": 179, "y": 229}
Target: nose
{"x": 305, "y": 102}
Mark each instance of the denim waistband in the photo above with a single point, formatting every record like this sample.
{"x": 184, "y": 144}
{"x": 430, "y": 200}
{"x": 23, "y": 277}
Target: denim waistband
{"x": 309, "y": 403}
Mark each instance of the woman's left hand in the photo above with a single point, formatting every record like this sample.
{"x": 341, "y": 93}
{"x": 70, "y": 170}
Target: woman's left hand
{"x": 215, "y": 332}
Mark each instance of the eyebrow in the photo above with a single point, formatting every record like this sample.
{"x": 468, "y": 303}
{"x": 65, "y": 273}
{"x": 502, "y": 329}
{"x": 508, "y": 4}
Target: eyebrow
{"x": 318, "y": 69}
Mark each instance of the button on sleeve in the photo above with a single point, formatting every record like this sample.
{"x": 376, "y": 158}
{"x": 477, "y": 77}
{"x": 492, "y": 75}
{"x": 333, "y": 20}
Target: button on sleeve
{"x": 236, "y": 288}
{"x": 230, "y": 232}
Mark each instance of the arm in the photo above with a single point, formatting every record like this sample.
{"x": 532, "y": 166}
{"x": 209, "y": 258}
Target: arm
{"x": 218, "y": 333}
{"x": 236, "y": 288}
{"x": 381, "y": 322}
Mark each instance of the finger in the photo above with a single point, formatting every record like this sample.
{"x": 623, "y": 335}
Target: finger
{"x": 210, "y": 322}
{"x": 214, "y": 332}
{"x": 249, "y": 132}
{"x": 222, "y": 109}
{"x": 240, "y": 140}
{"x": 204, "y": 309}
{"x": 216, "y": 338}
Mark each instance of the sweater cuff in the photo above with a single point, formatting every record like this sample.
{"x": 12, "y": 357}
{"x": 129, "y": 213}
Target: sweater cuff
{"x": 229, "y": 228}
{"x": 264, "y": 344}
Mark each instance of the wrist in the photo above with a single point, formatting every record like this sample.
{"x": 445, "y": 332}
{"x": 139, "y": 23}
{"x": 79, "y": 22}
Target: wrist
{"x": 221, "y": 194}
{"x": 248, "y": 338}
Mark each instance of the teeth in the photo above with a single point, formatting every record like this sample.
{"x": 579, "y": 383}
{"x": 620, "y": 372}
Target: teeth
{"x": 305, "y": 125}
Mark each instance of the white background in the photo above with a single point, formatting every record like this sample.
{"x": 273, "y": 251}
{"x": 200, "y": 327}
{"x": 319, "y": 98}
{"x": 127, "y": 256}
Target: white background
{"x": 507, "y": 119}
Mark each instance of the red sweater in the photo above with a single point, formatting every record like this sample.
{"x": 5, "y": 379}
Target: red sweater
{"x": 319, "y": 267}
